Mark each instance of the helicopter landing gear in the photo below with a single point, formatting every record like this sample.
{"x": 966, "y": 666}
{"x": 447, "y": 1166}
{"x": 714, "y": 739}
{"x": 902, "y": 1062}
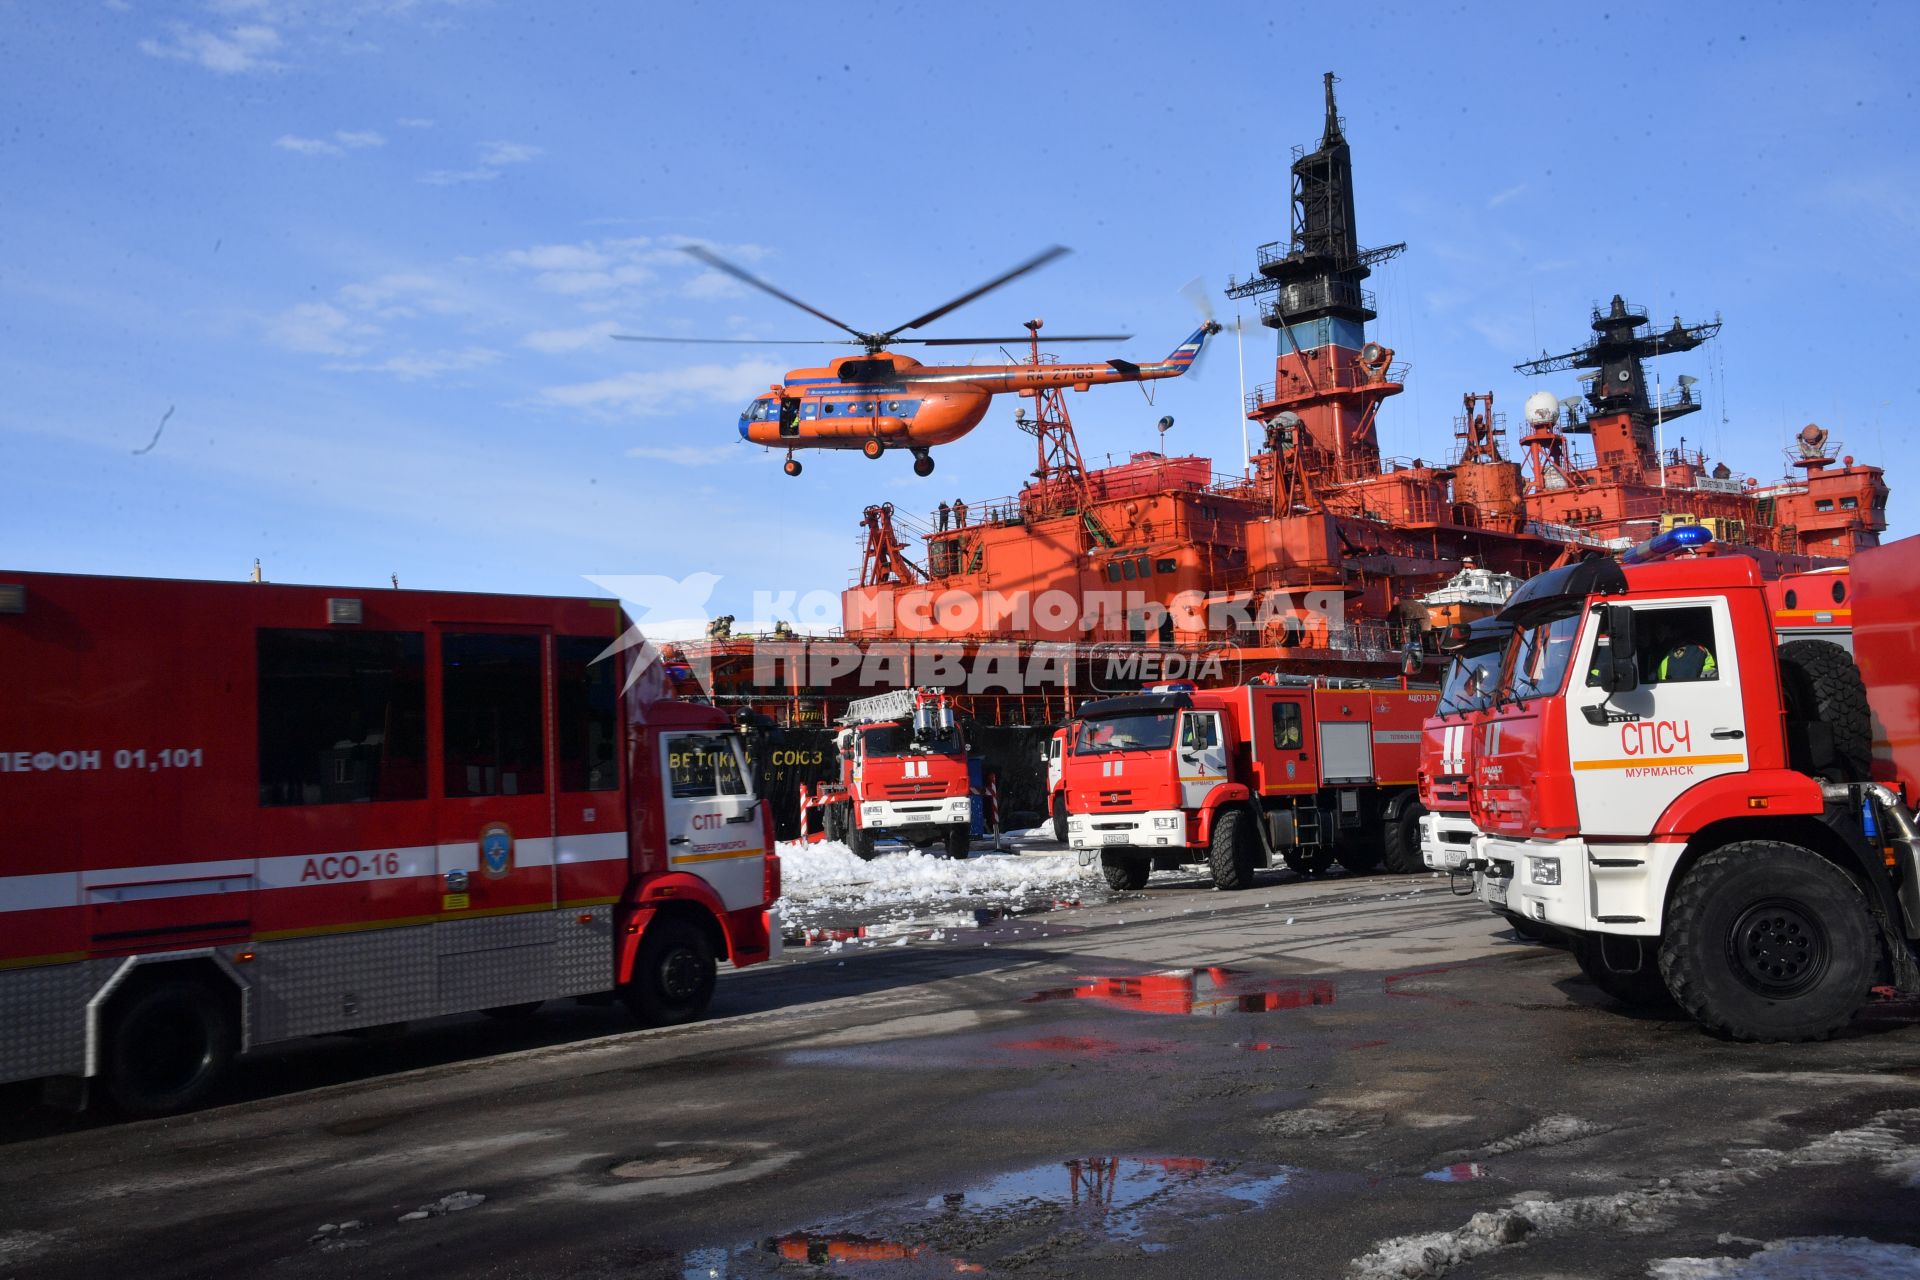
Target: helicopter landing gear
{"x": 791, "y": 466}
{"x": 922, "y": 463}
{"x": 873, "y": 448}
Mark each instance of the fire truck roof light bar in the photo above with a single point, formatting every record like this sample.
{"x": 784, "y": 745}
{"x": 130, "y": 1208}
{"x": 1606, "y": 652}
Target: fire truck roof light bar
{"x": 345, "y": 611}
{"x": 13, "y": 597}
{"x": 1685, "y": 537}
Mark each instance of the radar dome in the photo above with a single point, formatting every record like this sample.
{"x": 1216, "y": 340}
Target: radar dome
{"x": 1542, "y": 409}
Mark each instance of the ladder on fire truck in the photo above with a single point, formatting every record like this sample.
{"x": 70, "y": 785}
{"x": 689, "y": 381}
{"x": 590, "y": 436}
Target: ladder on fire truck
{"x": 895, "y": 704}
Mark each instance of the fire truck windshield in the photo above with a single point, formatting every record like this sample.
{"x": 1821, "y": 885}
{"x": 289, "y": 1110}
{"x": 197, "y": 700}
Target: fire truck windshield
{"x": 1469, "y": 681}
{"x": 1536, "y": 662}
{"x": 898, "y": 740}
{"x": 1147, "y": 731}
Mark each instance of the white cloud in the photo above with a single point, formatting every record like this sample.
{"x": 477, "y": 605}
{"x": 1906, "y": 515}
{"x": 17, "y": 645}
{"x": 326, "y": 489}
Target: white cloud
{"x": 237, "y": 50}
{"x": 457, "y": 177}
{"x": 642, "y": 393}
{"x": 320, "y": 328}
{"x": 308, "y": 146}
{"x": 711, "y": 284}
{"x": 558, "y": 257}
{"x": 414, "y": 122}
{"x": 555, "y": 341}
{"x": 416, "y": 365}
{"x": 404, "y": 293}
{"x": 503, "y": 153}
{"x": 1501, "y": 197}
{"x": 687, "y": 455}
{"x": 343, "y": 141}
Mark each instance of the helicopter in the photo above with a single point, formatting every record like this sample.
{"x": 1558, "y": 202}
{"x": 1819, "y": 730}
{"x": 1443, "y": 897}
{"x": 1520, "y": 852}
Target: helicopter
{"x": 882, "y": 399}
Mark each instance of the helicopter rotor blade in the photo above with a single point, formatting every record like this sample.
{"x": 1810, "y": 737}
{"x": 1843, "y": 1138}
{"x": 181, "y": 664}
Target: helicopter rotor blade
{"x": 1046, "y": 339}
{"x": 703, "y": 254}
{"x": 1038, "y": 260}
{"x": 738, "y": 342}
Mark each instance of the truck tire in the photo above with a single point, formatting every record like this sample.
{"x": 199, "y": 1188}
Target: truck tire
{"x": 1638, "y": 986}
{"x": 1769, "y": 941}
{"x": 1358, "y": 856}
{"x": 860, "y": 840}
{"x": 1304, "y": 860}
{"x": 1232, "y": 850}
{"x": 959, "y": 842}
{"x": 1823, "y": 686}
{"x": 169, "y": 1045}
{"x": 1124, "y": 870}
{"x": 831, "y": 825}
{"x": 673, "y": 975}
{"x": 1401, "y": 841}
{"x": 1060, "y": 816}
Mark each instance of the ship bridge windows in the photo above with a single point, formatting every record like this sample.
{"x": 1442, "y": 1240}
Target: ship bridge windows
{"x": 1849, "y": 504}
{"x": 1823, "y": 504}
{"x": 1167, "y": 565}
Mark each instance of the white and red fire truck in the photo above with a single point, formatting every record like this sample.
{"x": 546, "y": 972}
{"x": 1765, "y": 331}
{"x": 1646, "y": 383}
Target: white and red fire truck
{"x": 243, "y": 813}
{"x": 1055, "y": 753}
{"x": 1302, "y": 770}
{"x": 903, "y": 773}
{"x": 1447, "y": 738}
{"x": 1711, "y": 814}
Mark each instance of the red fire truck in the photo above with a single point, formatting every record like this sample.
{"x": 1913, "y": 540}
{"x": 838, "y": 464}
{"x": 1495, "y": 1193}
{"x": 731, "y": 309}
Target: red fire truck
{"x": 1446, "y": 740}
{"x": 1302, "y": 770}
{"x": 1711, "y": 814}
{"x": 243, "y": 813}
{"x": 903, "y": 773}
{"x": 1056, "y": 754}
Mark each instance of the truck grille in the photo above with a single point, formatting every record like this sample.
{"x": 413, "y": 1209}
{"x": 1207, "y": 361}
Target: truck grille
{"x": 1116, "y": 799}
{"x": 920, "y": 787}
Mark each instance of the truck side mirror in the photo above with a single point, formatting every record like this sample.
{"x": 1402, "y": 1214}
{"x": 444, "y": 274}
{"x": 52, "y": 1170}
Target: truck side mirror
{"x": 1619, "y": 673}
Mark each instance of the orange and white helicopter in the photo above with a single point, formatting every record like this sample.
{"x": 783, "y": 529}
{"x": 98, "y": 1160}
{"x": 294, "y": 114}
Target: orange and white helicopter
{"x": 882, "y": 400}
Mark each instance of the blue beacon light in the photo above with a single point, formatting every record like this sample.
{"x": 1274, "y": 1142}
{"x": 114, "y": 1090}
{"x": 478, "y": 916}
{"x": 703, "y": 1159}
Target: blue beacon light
{"x": 1686, "y": 537}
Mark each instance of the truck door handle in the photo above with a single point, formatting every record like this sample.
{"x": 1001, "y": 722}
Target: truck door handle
{"x": 1724, "y": 734}
{"x": 678, "y": 840}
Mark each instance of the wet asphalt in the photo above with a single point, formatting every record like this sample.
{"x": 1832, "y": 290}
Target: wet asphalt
{"x": 1356, "y": 1077}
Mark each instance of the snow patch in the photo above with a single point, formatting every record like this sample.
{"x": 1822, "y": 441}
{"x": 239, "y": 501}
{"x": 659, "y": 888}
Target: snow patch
{"x": 1801, "y": 1258}
{"x": 1554, "y": 1131}
{"x": 829, "y": 874}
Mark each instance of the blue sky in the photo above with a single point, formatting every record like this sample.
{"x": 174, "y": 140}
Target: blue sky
{"x": 367, "y": 253}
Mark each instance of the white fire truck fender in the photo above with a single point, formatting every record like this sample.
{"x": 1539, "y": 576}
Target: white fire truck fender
{"x": 1226, "y": 795}
{"x": 96, "y": 1007}
{"x": 674, "y": 887}
{"x": 1731, "y": 795}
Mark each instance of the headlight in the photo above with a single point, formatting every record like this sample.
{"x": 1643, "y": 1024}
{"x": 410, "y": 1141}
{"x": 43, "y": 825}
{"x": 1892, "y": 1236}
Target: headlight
{"x": 1165, "y": 824}
{"x": 1543, "y": 870}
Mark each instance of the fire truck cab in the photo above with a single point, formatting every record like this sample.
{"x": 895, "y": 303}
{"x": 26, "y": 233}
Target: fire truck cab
{"x": 903, "y": 773}
{"x": 1709, "y": 813}
{"x": 1303, "y": 771}
{"x": 1446, "y": 740}
{"x": 244, "y": 813}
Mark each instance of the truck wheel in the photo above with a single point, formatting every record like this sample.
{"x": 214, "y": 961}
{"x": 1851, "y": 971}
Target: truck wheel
{"x": 1768, "y": 941}
{"x": 830, "y": 825}
{"x": 1357, "y": 856}
{"x": 1628, "y": 972}
{"x": 1124, "y": 870}
{"x": 1307, "y": 861}
{"x": 168, "y": 1047}
{"x": 959, "y": 841}
{"x": 860, "y": 840}
{"x": 673, "y": 975}
{"x": 1823, "y": 686}
{"x": 1230, "y": 854}
{"x": 1060, "y": 816}
{"x": 1402, "y": 840}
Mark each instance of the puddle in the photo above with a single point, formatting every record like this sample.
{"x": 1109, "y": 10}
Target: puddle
{"x": 1089, "y": 1046}
{"x": 1205, "y": 993}
{"x": 1457, "y": 1173}
{"x": 1111, "y": 1207}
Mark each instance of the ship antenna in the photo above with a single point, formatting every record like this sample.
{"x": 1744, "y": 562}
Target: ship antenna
{"x": 1333, "y": 117}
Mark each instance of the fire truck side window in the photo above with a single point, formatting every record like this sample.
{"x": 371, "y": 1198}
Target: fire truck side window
{"x": 704, "y": 764}
{"x": 585, "y": 696}
{"x": 1286, "y": 726}
{"x": 343, "y": 716}
{"x": 490, "y": 713}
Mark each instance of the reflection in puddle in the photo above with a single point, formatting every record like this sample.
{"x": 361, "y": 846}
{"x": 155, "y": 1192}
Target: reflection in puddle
{"x": 1209, "y": 992}
{"x": 1457, "y": 1173}
{"x": 1135, "y": 1204}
